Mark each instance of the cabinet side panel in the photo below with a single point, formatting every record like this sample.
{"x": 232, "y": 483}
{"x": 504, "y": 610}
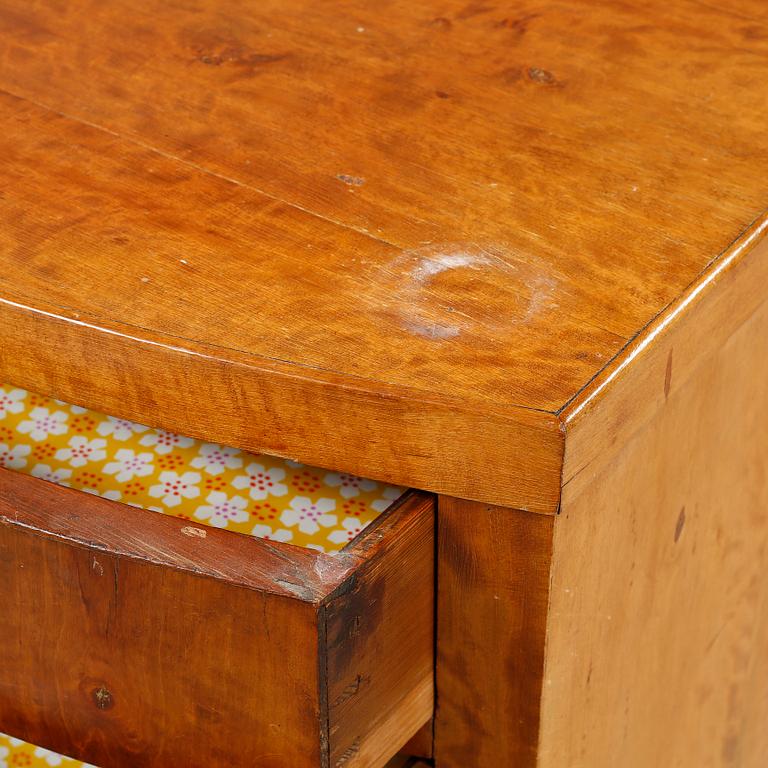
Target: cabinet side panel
{"x": 657, "y": 647}
{"x": 493, "y": 585}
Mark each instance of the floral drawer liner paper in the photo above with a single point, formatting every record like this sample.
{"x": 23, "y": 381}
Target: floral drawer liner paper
{"x": 207, "y": 483}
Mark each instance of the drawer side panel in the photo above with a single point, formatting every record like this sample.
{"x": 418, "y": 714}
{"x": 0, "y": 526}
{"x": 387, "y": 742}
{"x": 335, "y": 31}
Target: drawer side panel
{"x": 381, "y": 641}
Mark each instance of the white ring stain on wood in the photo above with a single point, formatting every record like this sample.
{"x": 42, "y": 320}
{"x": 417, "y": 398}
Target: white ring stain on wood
{"x": 441, "y": 283}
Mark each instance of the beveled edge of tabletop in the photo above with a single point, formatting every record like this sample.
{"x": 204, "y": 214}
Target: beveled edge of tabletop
{"x": 510, "y": 457}
{"x": 515, "y": 457}
{"x": 659, "y": 360}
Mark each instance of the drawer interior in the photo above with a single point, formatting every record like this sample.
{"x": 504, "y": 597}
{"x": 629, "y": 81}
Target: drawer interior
{"x": 351, "y": 605}
{"x": 253, "y": 494}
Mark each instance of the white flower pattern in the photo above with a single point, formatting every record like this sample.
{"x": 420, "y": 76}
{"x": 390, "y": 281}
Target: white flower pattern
{"x": 15, "y": 752}
{"x": 14, "y": 458}
{"x": 388, "y": 497}
{"x": 214, "y": 459}
{"x": 349, "y": 485}
{"x": 60, "y": 476}
{"x": 76, "y": 409}
{"x": 51, "y": 758}
{"x": 279, "y": 500}
{"x": 174, "y": 487}
{"x": 351, "y": 527}
{"x": 111, "y": 495}
{"x": 164, "y": 442}
{"x": 309, "y": 515}
{"x": 81, "y": 450}
{"x": 262, "y": 482}
{"x": 42, "y": 423}
{"x": 11, "y": 401}
{"x": 265, "y": 532}
{"x": 129, "y": 464}
{"x": 222, "y": 509}
{"x": 120, "y": 429}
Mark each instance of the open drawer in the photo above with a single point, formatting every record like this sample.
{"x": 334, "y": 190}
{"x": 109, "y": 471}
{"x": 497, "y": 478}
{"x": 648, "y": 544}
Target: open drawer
{"x": 136, "y": 639}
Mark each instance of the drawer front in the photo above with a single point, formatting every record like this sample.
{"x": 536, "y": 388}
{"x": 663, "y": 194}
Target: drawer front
{"x": 134, "y": 639}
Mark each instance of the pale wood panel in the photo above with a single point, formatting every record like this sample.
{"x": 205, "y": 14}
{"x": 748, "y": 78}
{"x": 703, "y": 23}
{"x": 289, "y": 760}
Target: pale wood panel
{"x": 493, "y": 584}
{"x": 657, "y": 634}
{"x": 753, "y": 746}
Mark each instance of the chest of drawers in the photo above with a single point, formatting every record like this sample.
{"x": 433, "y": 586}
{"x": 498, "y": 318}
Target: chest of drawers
{"x": 509, "y": 256}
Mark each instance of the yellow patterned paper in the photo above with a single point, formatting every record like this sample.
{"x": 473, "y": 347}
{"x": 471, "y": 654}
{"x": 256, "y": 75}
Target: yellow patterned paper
{"x": 211, "y": 484}
{"x": 18, "y": 754}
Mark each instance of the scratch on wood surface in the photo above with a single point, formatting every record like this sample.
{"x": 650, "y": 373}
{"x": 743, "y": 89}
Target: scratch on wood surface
{"x": 300, "y": 590}
{"x": 668, "y": 376}
{"x": 352, "y": 181}
{"x": 351, "y": 690}
{"x": 198, "y": 533}
{"x": 349, "y": 753}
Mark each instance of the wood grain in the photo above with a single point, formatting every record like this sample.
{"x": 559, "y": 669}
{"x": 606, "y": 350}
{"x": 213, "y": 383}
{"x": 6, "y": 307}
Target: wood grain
{"x": 493, "y": 587}
{"x": 105, "y": 652}
{"x": 657, "y": 641}
{"x": 443, "y": 124}
{"x": 613, "y": 534}
{"x": 130, "y": 370}
{"x": 380, "y": 638}
{"x": 124, "y": 631}
{"x": 477, "y": 248}
{"x": 443, "y": 220}
{"x": 630, "y": 391}
{"x": 422, "y": 744}
{"x": 263, "y": 408}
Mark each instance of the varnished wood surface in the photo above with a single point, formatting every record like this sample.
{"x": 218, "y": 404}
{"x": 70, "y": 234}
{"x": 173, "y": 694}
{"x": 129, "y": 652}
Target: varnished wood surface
{"x": 131, "y": 639}
{"x": 422, "y": 744}
{"x": 444, "y": 219}
{"x": 636, "y": 386}
{"x": 493, "y": 589}
{"x": 257, "y": 564}
{"x": 380, "y": 634}
{"x": 657, "y": 640}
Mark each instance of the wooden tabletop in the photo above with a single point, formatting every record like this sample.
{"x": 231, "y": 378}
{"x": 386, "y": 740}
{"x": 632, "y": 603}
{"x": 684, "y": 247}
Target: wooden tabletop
{"x": 394, "y": 238}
